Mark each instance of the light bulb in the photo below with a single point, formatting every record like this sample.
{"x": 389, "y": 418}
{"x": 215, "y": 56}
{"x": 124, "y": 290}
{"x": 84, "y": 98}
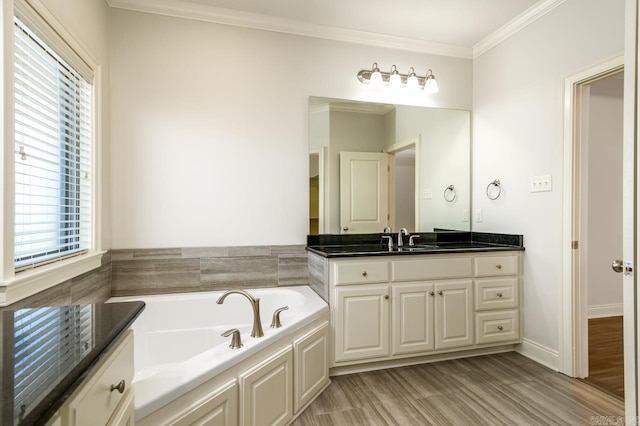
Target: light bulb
{"x": 395, "y": 81}
{"x": 430, "y": 83}
{"x": 376, "y": 79}
{"x": 412, "y": 80}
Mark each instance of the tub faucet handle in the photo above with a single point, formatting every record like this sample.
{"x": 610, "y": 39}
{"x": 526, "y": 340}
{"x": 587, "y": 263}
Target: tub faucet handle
{"x": 275, "y": 323}
{"x": 236, "y": 342}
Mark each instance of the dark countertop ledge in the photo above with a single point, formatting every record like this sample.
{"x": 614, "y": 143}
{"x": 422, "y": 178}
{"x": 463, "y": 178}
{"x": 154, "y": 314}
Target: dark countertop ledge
{"x": 110, "y": 322}
{"x": 429, "y": 243}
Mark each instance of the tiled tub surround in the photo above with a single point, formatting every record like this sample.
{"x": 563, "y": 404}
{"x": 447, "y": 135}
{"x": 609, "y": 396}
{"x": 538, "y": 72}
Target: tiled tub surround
{"x": 188, "y": 269}
{"x": 91, "y": 287}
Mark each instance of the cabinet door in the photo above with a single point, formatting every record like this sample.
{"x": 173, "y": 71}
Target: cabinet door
{"x": 311, "y": 364}
{"x": 266, "y": 391}
{"x": 220, "y": 408}
{"x": 412, "y": 313}
{"x": 125, "y": 413}
{"x": 454, "y": 314}
{"x": 361, "y": 327}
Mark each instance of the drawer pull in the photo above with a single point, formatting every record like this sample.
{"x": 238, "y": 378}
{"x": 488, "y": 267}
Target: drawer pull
{"x": 500, "y": 327}
{"x": 440, "y": 293}
{"x": 364, "y": 273}
{"x": 431, "y": 293}
{"x": 119, "y": 387}
{"x": 386, "y": 297}
{"x": 499, "y": 294}
{"x": 499, "y": 266}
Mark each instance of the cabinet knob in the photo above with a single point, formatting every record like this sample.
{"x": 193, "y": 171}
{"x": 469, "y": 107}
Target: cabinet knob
{"x": 440, "y": 293}
{"x": 499, "y": 266}
{"x": 499, "y": 294}
{"x": 500, "y": 327}
{"x": 364, "y": 273}
{"x": 345, "y": 228}
{"x": 386, "y": 297}
{"x": 119, "y": 387}
{"x": 431, "y": 293}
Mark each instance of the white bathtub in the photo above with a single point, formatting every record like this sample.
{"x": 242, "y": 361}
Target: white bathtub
{"x": 178, "y": 344}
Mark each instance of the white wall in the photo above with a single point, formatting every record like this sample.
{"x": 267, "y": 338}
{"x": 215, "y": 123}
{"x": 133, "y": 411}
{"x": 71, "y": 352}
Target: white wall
{"x": 209, "y": 126}
{"x": 604, "y": 198}
{"x": 88, "y": 23}
{"x": 517, "y": 133}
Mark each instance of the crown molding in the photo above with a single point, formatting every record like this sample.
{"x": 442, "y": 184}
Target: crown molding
{"x": 181, "y": 9}
{"x": 518, "y": 23}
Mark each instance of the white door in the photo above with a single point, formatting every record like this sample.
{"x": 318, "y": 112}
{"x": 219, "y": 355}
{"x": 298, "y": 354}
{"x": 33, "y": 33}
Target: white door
{"x": 454, "y": 314}
{"x": 364, "y": 192}
{"x": 412, "y": 318}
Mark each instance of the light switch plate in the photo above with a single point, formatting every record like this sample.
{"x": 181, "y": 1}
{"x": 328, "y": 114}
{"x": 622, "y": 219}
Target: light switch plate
{"x": 465, "y": 215}
{"x": 427, "y": 194}
{"x": 478, "y": 215}
{"x": 540, "y": 183}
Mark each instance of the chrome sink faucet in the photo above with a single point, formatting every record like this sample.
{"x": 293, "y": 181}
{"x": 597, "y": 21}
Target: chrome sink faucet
{"x": 400, "y": 233}
{"x": 255, "y": 304}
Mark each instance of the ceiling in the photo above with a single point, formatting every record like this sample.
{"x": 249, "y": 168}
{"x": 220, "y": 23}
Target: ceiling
{"x": 463, "y": 28}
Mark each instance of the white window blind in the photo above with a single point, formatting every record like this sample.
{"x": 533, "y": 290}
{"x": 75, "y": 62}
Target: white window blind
{"x": 48, "y": 343}
{"x": 53, "y": 114}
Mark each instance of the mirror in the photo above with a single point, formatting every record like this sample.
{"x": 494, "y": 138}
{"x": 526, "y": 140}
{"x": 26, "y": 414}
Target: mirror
{"x": 375, "y": 165}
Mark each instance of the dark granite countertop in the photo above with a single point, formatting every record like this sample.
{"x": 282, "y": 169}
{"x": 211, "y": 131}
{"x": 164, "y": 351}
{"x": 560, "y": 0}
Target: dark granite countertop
{"x": 428, "y": 243}
{"x": 48, "y": 352}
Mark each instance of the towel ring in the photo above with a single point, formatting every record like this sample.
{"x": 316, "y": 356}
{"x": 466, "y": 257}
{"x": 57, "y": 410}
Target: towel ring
{"x": 497, "y": 184}
{"x": 449, "y": 194}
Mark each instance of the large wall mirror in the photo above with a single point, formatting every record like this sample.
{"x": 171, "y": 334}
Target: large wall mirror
{"x": 376, "y": 165}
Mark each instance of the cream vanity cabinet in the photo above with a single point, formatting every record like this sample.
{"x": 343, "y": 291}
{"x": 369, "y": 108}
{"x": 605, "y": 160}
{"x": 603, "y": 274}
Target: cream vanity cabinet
{"x": 390, "y": 307}
{"x": 95, "y": 402}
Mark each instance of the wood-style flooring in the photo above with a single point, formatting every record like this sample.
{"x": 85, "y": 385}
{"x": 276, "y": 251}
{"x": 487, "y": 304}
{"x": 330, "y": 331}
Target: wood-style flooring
{"x": 501, "y": 389}
{"x": 606, "y": 356}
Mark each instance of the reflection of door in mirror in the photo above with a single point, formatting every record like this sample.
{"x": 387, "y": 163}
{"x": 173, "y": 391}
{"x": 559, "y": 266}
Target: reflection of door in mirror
{"x": 314, "y": 192}
{"x": 364, "y": 189}
{"x": 404, "y": 189}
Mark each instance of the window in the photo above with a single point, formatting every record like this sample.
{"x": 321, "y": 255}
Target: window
{"x": 53, "y": 142}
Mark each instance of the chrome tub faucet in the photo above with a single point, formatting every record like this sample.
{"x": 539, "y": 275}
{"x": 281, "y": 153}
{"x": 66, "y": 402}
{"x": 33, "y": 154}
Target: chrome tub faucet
{"x": 255, "y": 304}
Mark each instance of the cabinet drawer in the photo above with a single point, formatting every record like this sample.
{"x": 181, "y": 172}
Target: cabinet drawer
{"x": 496, "y": 293}
{"x": 94, "y": 403}
{"x": 496, "y": 265}
{"x": 497, "y": 326}
{"x": 430, "y": 268}
{"x": 361, "y": 272}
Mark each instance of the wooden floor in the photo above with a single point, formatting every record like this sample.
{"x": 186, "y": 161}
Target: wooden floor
{"x": 606, "y": 360}
{"x": 502, "y": 389}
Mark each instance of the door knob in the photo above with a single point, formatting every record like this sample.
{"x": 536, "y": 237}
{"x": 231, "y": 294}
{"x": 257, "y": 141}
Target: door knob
{"x": 617, "y": 266}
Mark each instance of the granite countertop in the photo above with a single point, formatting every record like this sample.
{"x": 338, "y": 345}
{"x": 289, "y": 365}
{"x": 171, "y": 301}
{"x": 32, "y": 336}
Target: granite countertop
{"x": 48, "y": 352}
{"x": 428, "y": 243}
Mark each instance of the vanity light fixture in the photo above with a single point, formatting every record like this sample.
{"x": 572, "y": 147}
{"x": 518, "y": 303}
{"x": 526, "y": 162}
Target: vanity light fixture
{"x": 394, "y": 79}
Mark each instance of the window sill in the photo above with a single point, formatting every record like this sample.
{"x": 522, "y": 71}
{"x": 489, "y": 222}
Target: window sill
{"x": 32, "y": 281}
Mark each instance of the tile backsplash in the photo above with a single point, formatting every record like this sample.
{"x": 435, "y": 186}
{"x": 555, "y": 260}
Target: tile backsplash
{"x": 172, "y": 270}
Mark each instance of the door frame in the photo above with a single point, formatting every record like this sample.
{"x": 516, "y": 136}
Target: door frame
{"x": 573, "y": 338}
{"x": 416, "y": 143}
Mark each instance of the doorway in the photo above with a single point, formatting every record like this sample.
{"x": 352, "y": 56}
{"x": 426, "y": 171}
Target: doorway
{"x": 592, "y": 303}
{"x": 601, "y": 229}
{"x": 403, "y": 183}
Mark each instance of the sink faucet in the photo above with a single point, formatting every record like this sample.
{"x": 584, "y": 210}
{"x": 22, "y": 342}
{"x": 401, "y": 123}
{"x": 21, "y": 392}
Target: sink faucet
{"x": 402, "y": 231}
{"x": 255, "y": 304}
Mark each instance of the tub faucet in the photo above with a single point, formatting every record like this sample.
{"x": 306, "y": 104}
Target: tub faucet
{"x": 402, "y": 231}
{"x": 255, "y": 304}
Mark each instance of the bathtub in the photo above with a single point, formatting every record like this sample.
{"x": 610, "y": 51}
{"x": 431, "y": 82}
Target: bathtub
{"x": 178, "y": 343}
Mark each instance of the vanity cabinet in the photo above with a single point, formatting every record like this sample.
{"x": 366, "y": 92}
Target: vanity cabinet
{"x": 390, "y": 308}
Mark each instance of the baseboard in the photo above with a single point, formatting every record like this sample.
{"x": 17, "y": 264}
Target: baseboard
{"x": 539, "y": 353}
{"x": 603, "y": 311}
